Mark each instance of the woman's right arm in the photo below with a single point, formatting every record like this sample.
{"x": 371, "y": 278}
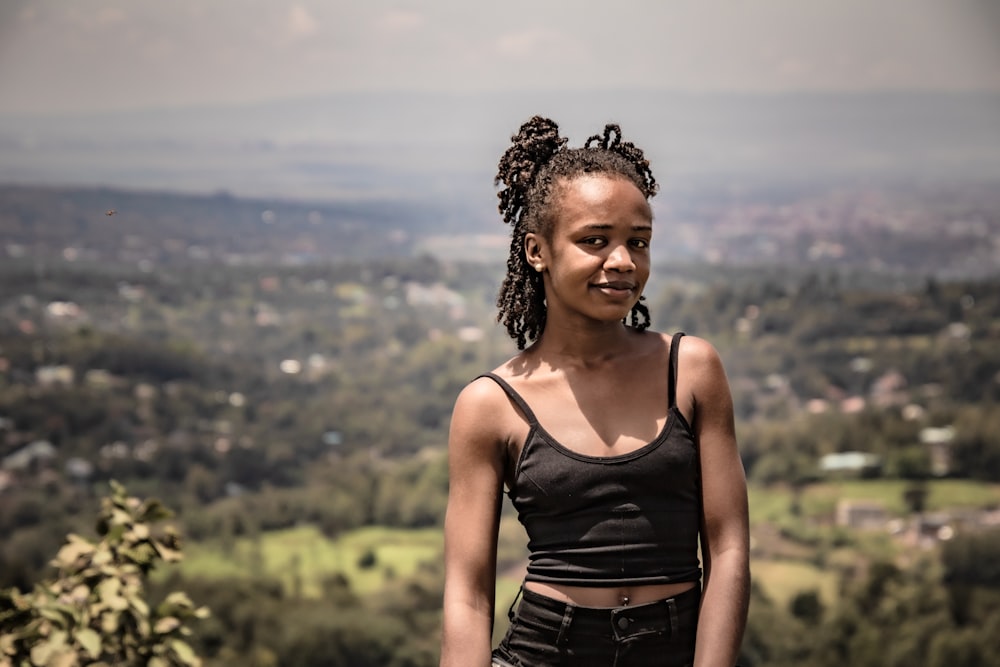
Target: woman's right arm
{"x": 476, "y": 457}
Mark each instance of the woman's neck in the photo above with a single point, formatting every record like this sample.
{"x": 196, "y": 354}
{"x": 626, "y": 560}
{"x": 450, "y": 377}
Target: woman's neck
{"x": 583, "y": 346}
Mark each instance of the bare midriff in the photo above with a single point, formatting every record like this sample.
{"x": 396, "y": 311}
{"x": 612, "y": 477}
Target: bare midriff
{"x": 616, "y": 596}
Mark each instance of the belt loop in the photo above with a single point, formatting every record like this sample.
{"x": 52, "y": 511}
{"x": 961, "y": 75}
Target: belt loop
{"x": 674, "y": 621}
{"x": 510, "y": 610}
{"x": 564, "y": 627}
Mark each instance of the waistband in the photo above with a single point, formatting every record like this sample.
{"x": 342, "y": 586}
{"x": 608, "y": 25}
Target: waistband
{"x": 659, "y": 617}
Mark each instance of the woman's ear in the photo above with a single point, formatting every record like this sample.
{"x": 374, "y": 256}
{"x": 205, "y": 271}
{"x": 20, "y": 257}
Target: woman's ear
{"x": 534, "y": 251}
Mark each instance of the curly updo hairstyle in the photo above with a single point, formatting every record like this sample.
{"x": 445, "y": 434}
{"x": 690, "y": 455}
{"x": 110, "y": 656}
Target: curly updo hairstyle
{"x": 529, "y": 171}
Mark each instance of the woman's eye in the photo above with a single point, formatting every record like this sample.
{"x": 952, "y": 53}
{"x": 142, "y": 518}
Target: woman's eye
{"x": 640, "y": 243}
{"x": 596, "y": 241}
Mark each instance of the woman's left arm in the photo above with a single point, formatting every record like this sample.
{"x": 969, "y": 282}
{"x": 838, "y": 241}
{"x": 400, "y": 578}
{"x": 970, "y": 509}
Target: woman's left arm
{"x": 725, "y": 532}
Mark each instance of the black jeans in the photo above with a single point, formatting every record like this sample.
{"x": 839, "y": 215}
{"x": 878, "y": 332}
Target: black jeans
{"x": 548, "y": 633}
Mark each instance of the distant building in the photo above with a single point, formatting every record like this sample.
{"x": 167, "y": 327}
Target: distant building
{"x": 64, "y": 310}
{"x": 49, "y": 376}
{"x": 79, "y": 469}
{"x": 39, "y": 450}
{"x": 889, "y": 389}
{"x": 850, "y": 463}
{"x": 938, "y": 441}
{"x": 861, "y": 514}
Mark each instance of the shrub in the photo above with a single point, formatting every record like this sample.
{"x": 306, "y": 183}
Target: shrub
{"x": 95, "y": 611}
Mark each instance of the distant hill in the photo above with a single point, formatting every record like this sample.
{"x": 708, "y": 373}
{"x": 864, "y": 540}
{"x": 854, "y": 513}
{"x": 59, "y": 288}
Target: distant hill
{"x": 106, "y": 224}
{"x": 444, "y": 147}
{"x": 948, "y": 230}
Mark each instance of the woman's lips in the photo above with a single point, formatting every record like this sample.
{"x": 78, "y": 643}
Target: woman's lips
{"x": 616, "y": 288}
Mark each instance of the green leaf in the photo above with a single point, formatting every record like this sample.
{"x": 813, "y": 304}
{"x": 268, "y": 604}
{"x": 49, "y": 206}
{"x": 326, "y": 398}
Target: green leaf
{"x": 42, "y": 652}
{"x": 153, "y": 510}
{"x": 140, "y": 606}
{"x": 178, "y": 598}
{"x": 54, "y": 615}
{"x": 185, "y": 654}
{"x": 167, "y": 554}
{"x": 109, "y": 588}
{"x": 18, "y": 600}
{"x": 90, "y": 641}
{"x": 79, "y": 593}
{"x": 166, "y": 625}
{"x": 64, "y": 659}
{"x": 142, "y": 555}
{"x": 110, "y": 622}
{"x": 102, "y": 556}
{"x": 59, "y": 638}
{"x": 117, "y": 603}
{"x": 70, "y": 552}
{"x": 120, "y": 517}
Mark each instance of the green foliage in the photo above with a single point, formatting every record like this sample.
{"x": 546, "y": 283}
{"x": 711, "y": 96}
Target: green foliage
{"x": 95, "y": 611}
{"x": 973, "y": 559}
{"x": 807, "y": 607}
{"x": 971, "y": 565}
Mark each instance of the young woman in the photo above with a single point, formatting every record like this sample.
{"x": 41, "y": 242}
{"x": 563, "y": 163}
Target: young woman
{"x": 615, "y": 443}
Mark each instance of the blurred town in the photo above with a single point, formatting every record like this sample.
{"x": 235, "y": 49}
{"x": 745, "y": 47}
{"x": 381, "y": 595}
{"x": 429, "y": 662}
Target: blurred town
{"x": 281, "y": 374}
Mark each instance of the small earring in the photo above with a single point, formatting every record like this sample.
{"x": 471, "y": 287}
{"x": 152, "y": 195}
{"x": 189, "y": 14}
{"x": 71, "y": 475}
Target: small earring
{"x": 539, "y": 267}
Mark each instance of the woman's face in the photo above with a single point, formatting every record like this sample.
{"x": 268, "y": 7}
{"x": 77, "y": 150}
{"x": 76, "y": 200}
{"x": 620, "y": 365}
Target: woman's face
{"x": 595, "y": 260}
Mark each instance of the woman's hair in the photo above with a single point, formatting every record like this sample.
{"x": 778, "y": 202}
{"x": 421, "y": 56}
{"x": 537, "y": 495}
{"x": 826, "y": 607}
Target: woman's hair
{"x": 530, "y": 170}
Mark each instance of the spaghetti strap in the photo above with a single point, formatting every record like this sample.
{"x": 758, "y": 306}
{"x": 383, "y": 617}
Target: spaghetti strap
{"x": 514, "y": 396}
{"x": 672, "y": 370}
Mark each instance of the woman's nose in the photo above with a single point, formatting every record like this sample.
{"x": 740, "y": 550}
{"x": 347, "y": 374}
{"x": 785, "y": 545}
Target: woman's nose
{"x": 620, "y": 259}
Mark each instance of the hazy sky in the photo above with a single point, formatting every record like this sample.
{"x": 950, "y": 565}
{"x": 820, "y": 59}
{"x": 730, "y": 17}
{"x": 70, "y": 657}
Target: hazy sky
{"x": 81, "y": 55}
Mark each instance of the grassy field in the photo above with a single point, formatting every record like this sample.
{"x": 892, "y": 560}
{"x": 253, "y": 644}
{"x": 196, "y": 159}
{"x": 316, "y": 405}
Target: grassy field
{"x": 820, "y": 500}
{"x": 782, "y": 580}
{"x": 795, "y": 571}
{"x": 302, "y": 557}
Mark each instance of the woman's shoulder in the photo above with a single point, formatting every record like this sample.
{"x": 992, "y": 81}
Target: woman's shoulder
{"x": 693, "y": 353}
{"x": 699, "y": 367}
{"x": 482, "y": 391}
{"x": 697, "y": 350}
{"x": 483, "y": 418}
{"x": 484, "y": 396}
{"x": 690, "y": 350}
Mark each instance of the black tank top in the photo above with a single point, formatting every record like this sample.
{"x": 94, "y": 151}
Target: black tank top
{"x": 631, "y": 519}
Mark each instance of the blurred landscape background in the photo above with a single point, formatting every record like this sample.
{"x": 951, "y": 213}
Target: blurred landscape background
{"x": 249, "y": 254}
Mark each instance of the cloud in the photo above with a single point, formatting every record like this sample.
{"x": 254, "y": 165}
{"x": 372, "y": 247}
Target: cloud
{"x": 301, "y": 23}
{"x": 57, "y": 55}
{"x": 537, "y": 43}
{"x": 397, "y": 22}
{"x": 110, "y": 16}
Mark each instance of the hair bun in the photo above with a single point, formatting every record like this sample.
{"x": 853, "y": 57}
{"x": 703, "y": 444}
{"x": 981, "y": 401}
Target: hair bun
{"x": 533, "y": 146}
